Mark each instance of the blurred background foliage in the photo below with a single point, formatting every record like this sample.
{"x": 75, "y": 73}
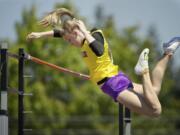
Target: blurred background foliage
{"x": 66, "y": 105}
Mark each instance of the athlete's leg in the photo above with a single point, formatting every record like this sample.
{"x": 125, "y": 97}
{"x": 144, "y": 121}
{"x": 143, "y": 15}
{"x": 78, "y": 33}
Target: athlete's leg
{"x": 150, "y": 94}
{"x": 137, "y": 103}
{"x": 159, "y": 70}
{"x": 157, "y": 76}
{"x": 148, "y": 102}
{"x": 158, "y": 73}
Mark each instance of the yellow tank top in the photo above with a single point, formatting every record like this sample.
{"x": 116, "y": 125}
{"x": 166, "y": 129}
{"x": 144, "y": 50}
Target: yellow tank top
{"x": 99, "y": 66}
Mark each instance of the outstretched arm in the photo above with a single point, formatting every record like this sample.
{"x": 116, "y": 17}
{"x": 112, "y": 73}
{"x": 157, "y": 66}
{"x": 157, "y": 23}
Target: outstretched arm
{"x": 52, "y": 33}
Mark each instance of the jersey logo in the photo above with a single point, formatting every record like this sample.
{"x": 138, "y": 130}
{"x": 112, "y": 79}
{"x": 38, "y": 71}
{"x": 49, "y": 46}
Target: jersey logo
{"x": 84, "y": 54}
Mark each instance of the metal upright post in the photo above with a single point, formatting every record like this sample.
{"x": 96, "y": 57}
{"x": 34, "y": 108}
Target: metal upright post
{"x": 21, "y": 93}
{"x": 121, "y": 123}
{"x": 124, "y": 120}
{"x": 127, "y": 122}
{"x": 4, "y": 87}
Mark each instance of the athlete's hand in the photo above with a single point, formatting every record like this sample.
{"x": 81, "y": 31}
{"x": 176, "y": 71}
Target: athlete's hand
{"x": 81, "y": 25}
{"x": 33, "y": 35}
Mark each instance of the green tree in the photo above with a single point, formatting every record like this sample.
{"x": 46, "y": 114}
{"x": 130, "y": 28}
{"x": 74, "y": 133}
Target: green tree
{"x": 63, "y": 104}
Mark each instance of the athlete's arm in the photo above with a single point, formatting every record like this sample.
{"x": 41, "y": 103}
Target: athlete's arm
{"x": 95, "y": 41}
{"x": 98, "y": 44}
{"x": 52, "y": 33}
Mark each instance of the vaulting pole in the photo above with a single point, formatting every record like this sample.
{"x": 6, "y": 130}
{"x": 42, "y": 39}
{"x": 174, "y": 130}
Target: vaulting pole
{"x": 61, "y": 69}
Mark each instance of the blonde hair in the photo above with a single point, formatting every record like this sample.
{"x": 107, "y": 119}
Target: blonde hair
{"x": 58, "y": 17}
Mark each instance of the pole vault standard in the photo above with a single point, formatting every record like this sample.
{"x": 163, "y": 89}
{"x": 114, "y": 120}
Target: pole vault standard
{"x": 3, "y": 88}
{"x": 4, "y": 125}
{"x": 21, "y": 91}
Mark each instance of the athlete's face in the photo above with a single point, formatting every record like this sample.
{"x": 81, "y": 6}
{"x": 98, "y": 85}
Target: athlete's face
{"x": 74, "y": 36}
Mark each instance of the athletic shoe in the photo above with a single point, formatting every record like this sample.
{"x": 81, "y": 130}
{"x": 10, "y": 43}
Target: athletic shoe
{"x": 142, "y": 64}
{"x": 171, "y": 46}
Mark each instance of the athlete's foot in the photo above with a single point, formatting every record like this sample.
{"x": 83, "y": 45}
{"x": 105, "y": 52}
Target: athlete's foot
{"x": 142, "y": 64}
{"x": 171, "y": 46}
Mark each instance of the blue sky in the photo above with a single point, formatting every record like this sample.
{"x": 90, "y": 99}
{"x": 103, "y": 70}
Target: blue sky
{"x": 163, "y": 14}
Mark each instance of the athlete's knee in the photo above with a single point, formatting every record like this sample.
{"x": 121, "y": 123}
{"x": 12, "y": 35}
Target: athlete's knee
{"x": 157, "y": 89}
{"x": 156, "y": 111}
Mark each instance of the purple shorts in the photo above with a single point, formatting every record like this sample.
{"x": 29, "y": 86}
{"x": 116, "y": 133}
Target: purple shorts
{"x": 116, "y": 84}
